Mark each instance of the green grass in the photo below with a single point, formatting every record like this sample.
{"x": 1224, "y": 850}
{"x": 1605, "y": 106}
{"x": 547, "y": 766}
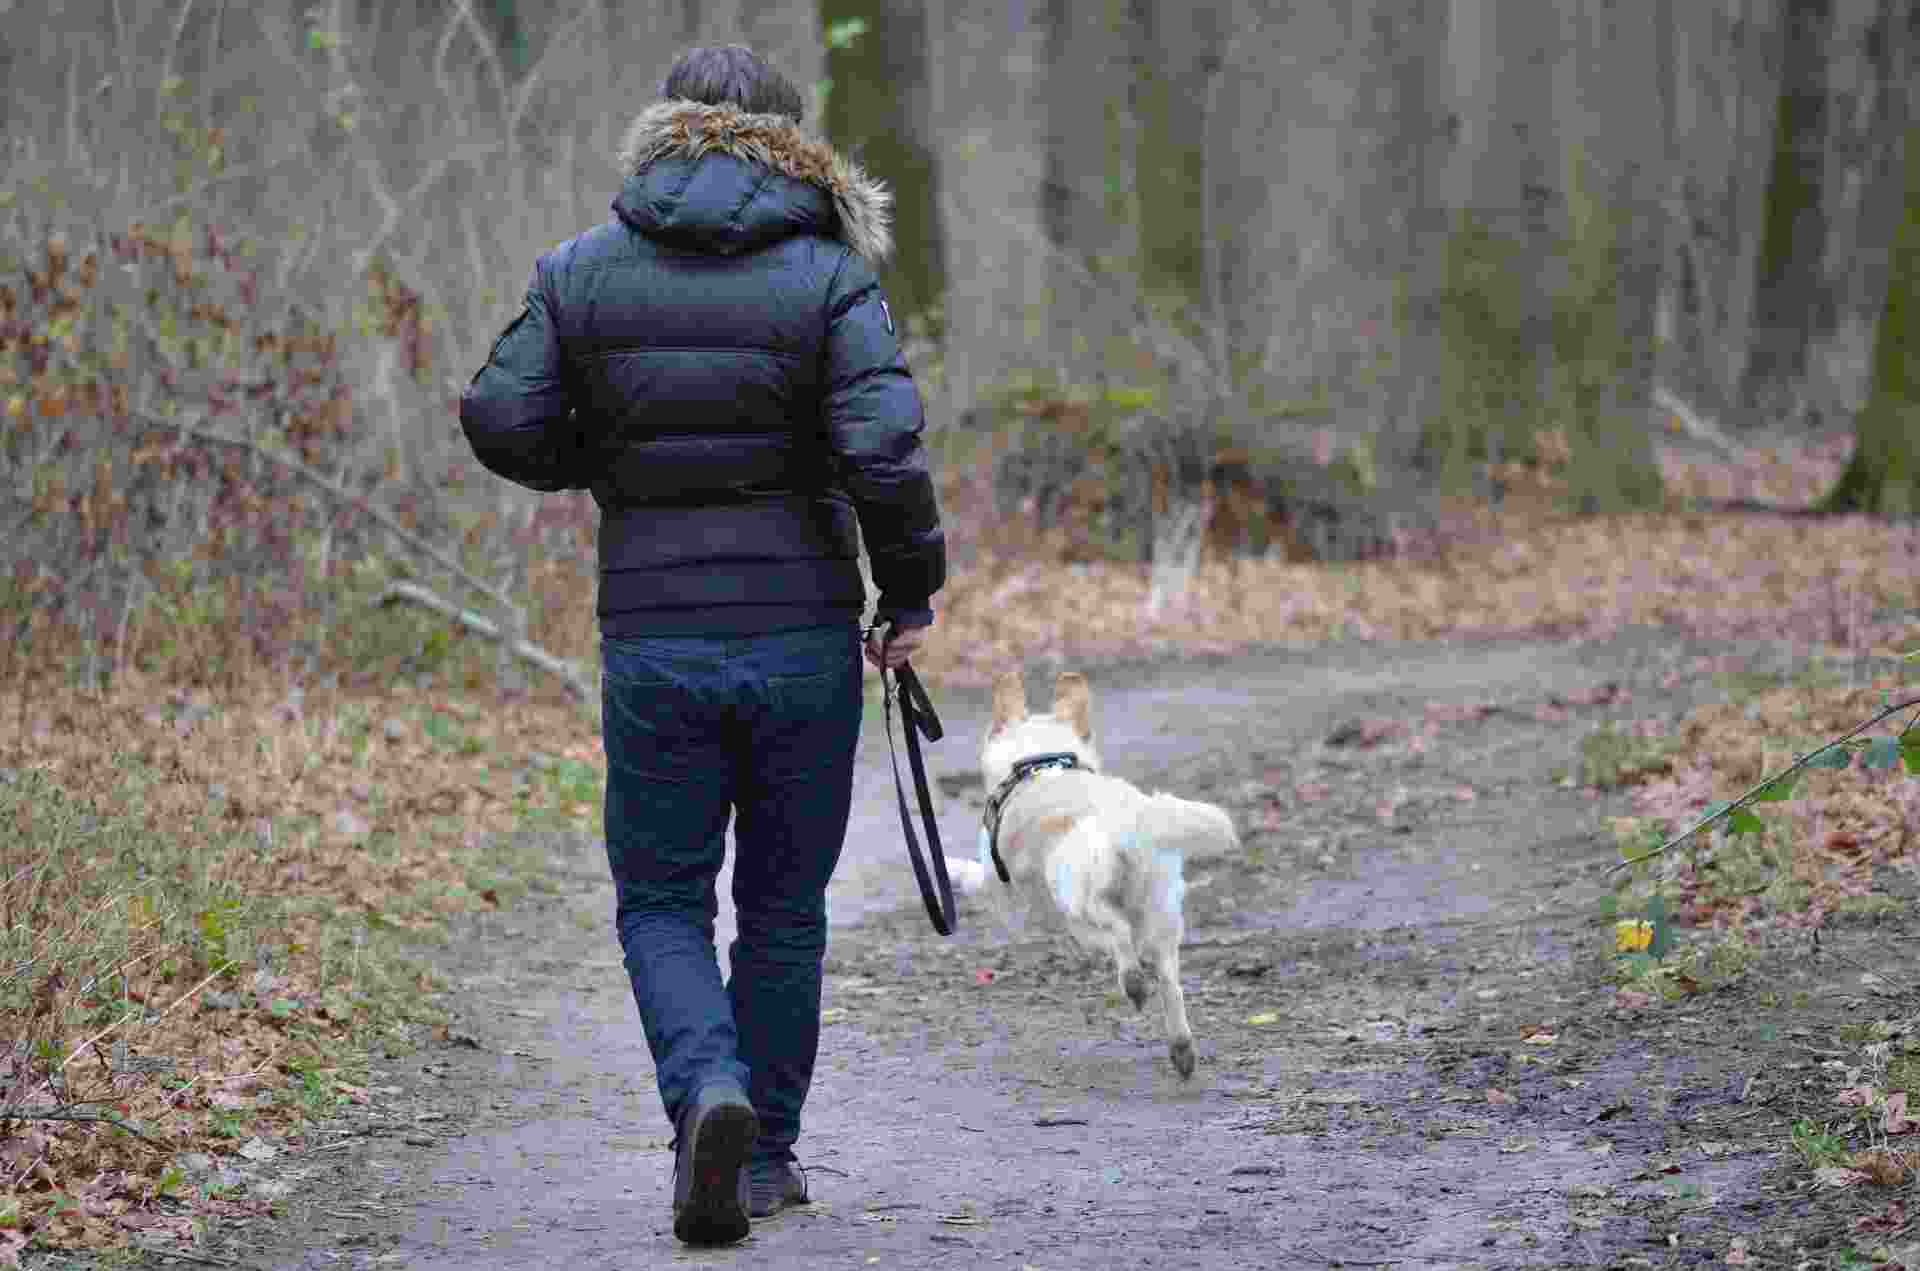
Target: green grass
{"x": 1609, "y": 758}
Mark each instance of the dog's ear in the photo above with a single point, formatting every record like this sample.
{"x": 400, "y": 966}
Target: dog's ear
{"x": 1073, "y": 703}
{"x": 1009, "y": 700}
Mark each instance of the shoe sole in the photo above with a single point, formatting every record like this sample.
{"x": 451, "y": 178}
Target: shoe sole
{"x": 713, "y": 1213}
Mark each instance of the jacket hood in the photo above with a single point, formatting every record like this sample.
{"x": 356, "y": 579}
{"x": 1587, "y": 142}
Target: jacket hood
{"x": 719, "y": 179}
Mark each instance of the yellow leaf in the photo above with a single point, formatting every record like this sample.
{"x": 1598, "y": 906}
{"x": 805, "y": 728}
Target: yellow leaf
{"x": 1632, "y": 935}
{"x": 1264, "y": 1017}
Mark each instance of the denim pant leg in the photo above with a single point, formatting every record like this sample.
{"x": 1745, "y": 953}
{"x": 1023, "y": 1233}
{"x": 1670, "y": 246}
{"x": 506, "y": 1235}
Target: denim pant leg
{"x": 794, "y": 778}
{"x": 669, "y": 789}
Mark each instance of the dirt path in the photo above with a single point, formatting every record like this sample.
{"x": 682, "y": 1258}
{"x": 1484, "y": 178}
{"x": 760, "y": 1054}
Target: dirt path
{"x": 1409, "y": 1052}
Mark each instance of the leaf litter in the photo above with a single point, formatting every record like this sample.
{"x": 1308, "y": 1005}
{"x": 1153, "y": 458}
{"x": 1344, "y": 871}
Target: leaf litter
{"x": 300, "y": 780}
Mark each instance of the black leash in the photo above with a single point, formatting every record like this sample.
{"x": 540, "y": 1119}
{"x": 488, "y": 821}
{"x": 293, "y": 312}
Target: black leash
{"x": 917, "y": 719}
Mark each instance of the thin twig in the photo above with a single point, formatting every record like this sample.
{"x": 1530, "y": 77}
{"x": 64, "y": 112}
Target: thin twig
{"x": 211, "y": 976}
{"x": 204, "y": 1259}
{"x": 1751, "y": 795}
{"x": 20, "y": 1112}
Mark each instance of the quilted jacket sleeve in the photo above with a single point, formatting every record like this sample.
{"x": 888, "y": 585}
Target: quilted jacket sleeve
{"x": 517, "y": 413}
{"x": 874, "y": 423}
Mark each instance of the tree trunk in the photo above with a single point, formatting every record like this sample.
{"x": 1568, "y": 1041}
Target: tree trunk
{"x": 986, "y": 68}
{"x": 1725, "y": 88}
{"x": 877, "y": 112}
{"x": 1791, "y": 301}
{"x": 1487, "y": 291}
{"x": 1883, "y": 477}
{"x": 1866, "y": 111}
{"x": 1608, "y": 275}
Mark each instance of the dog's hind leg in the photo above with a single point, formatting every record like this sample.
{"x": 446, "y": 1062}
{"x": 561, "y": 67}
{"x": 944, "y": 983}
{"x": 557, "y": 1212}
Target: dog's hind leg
{"x": 1101, "y": 928}
{"x": 1160, "y": 943}
{"x": 1166, "y": 965}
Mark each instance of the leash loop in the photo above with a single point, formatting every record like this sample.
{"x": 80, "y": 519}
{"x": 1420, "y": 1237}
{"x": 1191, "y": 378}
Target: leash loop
{"x": 917, "y": 719}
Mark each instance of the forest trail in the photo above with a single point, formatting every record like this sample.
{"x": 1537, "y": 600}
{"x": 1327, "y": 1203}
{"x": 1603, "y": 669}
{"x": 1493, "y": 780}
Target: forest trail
{"x": 1410, "y": 1052}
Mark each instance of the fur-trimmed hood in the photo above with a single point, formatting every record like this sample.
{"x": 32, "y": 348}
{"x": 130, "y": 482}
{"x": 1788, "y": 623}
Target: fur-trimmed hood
{"x": 800, "y": 186}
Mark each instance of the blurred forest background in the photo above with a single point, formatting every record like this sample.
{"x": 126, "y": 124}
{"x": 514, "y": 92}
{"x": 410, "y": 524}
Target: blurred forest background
{"x": 1238, "y": 322}
{"x": 1215, "y": 280}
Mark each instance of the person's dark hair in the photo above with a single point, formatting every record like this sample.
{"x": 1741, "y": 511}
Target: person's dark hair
{"x": 732, "y": 75}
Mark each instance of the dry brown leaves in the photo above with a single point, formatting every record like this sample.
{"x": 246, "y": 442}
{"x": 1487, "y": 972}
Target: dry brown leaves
{"x": 1524, "y": 568}
{"x": 302, "y": 782}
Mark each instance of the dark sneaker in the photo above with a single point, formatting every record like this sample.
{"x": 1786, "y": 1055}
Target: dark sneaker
{"x": 710, "y": 1188}
{"x": 776, "y": 1184}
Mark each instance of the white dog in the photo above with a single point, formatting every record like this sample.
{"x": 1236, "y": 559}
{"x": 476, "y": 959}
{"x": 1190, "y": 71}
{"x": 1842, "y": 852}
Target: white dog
{"x": 1107, "y": 857}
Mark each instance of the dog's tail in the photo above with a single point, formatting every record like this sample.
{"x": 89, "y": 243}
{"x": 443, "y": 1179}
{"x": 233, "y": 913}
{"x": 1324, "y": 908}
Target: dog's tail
{"x": 1199, "y": 830}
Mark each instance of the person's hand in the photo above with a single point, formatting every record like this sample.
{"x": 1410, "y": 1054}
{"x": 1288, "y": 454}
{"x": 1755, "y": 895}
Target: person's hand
{"x": 889, "y": 648}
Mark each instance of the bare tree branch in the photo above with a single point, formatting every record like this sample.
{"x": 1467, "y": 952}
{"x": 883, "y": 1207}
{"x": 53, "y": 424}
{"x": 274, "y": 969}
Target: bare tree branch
{"x": 189, "y": 428}
{"x": 571, "y": 675}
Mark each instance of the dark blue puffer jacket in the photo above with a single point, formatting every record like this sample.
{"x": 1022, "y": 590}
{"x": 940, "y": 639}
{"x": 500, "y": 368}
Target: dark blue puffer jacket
{"x": 718, "y": 365}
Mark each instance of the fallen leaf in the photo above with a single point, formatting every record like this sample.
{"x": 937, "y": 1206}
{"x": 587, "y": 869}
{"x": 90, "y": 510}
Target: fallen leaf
{"x": 1632, "y": 999}
{"x": 1835, "y": 1176}
{"x": 1895, "y": 1119}
{"x": 1365, "y": 732}
{"x": 1887, "y": 1221}
{"x": 983, "y": 976}
{"x": 1632, "y": 935}
{"x": 1495, "y": 1095}
{"x": 1446, "y": 713}
{"x": 1886, "y": 1168}
{"x": 1737, "y": 1252}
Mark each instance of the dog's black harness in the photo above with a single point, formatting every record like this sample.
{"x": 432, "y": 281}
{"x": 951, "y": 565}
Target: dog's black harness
{"x": 1022, "y": 769}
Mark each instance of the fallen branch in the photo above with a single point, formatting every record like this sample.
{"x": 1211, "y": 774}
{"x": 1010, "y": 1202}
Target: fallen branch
{"x": 569, "y": 674}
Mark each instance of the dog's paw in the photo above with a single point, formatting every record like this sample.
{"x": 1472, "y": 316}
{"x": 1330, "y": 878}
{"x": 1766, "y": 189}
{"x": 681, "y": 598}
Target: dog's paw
{"x": 1181, "y": 1055}
{"x": 1134, "y": 982}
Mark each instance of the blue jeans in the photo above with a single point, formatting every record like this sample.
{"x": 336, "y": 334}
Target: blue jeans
{"x": 697, "y": 727}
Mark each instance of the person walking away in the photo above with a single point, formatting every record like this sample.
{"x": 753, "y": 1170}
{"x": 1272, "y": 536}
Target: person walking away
{"x": 718, "y": 365}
